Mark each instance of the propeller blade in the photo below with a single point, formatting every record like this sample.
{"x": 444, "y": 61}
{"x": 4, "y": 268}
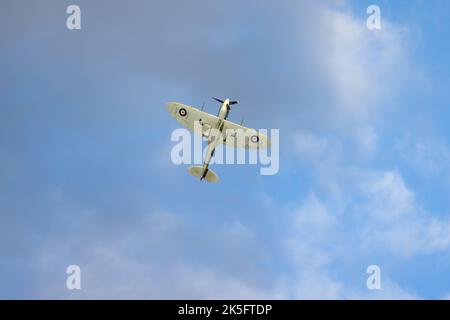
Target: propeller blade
{"x": 234, "y": 102}
{"x": 218, "y": 100}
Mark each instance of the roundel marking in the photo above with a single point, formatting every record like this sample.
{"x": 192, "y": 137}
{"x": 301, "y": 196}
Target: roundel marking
{"x": 254, "y": 139}
{"x": 182, "y": 112}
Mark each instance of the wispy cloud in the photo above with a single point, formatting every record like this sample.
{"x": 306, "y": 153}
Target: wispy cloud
{"x": 85, "y": 171}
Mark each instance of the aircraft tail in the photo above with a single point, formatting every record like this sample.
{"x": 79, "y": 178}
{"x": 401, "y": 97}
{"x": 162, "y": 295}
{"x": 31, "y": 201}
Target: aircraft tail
{"x": 198, "y": 172}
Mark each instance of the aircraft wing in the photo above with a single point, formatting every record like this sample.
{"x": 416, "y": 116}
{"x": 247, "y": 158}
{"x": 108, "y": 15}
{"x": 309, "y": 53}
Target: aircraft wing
{"x": 237, "y": 135}
{"x": 187, "y": 115}
{"x": 243, "y": 137}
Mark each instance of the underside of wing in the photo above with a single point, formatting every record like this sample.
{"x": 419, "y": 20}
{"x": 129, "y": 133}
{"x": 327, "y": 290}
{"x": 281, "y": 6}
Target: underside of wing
{"x": 241, "y": 137}
{"x": 188, "y": 115}
{"x": 234, "y": 135}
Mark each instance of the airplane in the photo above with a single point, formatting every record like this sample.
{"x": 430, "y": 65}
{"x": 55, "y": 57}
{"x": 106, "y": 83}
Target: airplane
{"x": 188, "y": 115}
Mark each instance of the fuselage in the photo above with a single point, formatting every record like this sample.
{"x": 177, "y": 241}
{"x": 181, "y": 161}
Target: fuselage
{"x": 222, "y": 115}
{"x": 224, "y": 110}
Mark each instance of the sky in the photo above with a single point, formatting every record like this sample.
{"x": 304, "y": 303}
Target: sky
{"x": 86, "y": 176}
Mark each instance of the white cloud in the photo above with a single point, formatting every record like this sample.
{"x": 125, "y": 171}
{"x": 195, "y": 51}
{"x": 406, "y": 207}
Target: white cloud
{"x": 314, "y": 217}
{"x": 357, "y": 69}
{"x": 161, "y": 255}
{"x": 362, "y": 211}
{"x": 312, "y": 148}
{"x": 387, "y": 196}
{"x": 389, "y": 291}
{"x": 364, "y": 70}
{"x": 311, "y": 254}
{"x": 164, "y": 255}
{"x": 429, "y": 156}
{"x": 395, "y": 221}
{"x": 316, "y": 284}
{"x": 318, "y": 239}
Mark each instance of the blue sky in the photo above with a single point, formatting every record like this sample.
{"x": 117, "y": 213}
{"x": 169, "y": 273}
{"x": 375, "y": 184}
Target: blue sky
{"x": 85, "y": 170}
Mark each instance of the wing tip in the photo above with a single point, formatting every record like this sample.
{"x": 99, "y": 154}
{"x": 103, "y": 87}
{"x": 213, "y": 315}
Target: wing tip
{"x": 171, "y": 107}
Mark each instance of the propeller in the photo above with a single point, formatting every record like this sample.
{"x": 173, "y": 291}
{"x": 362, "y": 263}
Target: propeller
{"x": 230, "y": 103}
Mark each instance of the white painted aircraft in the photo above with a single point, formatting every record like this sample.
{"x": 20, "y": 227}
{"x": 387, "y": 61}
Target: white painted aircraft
{"x": 231, "y": 133}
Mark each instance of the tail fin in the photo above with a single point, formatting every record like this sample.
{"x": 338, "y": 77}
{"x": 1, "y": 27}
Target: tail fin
{"x": 198, "y": 172}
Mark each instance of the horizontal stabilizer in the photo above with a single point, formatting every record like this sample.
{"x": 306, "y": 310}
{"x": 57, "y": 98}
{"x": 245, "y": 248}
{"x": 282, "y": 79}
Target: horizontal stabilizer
{"x": 197, "y": 171}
